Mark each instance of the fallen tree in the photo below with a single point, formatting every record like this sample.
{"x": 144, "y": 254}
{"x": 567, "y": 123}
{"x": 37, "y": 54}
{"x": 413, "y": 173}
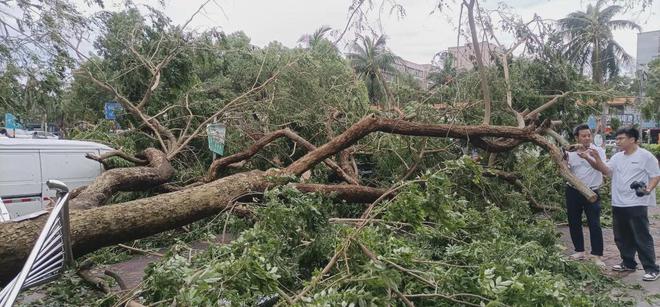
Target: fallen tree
{"x": 95, "y": 225}
{"x": 107, "y": 225}
{"x": 102, "y": 226}
{"x": 174, "y": 122}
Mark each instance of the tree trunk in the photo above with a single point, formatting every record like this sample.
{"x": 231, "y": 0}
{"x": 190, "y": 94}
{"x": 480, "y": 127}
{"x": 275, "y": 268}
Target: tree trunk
{"x": 485, "y": 88}
{"x": 388, "y": 95}
{"x": 596, "y": 65}
{"x": 597, "y": 76}
{"x": 108, "y": 225}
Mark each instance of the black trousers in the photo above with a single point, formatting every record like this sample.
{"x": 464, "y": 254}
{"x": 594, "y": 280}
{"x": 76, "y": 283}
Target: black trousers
{"x": 575, "y": 205}
{"x": 631, "y": 234}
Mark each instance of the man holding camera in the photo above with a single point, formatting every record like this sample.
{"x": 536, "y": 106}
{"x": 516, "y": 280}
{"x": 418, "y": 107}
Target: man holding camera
{"x": 631, "y": 168}
{"x": 576, "y": 203}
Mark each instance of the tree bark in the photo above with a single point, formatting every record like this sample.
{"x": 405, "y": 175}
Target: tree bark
{"x": 108, "y": 225}
{"x": 158, "y": 171}
{"x": 485, "y": 88}
{"x": 348, "y": 192}
{"x": 558, "y": 158}
{"x": 372, "y": 123}
{"x": 347, "y": 164}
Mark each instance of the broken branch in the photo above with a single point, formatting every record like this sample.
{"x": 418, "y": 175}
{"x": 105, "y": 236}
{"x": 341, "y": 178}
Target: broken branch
{"x": 116, "y": 153}
{"x": 261, "y": 143}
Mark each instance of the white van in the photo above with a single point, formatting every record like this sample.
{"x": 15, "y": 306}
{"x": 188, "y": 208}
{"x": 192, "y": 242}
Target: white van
{"x": 26, "y": 165}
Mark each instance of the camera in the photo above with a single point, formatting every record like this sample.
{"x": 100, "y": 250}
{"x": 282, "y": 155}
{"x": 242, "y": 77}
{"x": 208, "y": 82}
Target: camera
{"x": 639, "y": 187}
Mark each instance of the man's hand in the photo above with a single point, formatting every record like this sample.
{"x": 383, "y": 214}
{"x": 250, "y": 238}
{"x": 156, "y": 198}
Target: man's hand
{"x": 589, "y": 154}
{"x": 586, "y": 154}
{"x": 594, "y": 159}
{"x": 652, "y": 184}
{"x": 594, "y": 154}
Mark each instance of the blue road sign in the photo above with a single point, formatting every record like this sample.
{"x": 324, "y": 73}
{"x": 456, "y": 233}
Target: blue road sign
{"x": 111, "y": 108}
{"x": 11, "y": 122}
{"x": 591, "y": 122}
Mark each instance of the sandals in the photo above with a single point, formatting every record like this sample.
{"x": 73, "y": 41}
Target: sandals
{"x": 577, "y": 256}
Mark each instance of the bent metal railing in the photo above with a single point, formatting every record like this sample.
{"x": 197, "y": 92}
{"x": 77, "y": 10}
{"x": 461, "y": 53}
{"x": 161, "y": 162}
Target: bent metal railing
{"x": 50, "y": 255}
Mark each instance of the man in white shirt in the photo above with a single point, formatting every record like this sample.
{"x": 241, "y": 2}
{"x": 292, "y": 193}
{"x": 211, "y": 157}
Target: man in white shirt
{"x": 629, "y": 211}
{"x": 576, "y": 203}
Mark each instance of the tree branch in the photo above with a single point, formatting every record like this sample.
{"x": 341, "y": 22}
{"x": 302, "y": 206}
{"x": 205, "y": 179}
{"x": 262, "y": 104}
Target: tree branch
{"x": 545, "y": 106}
{"x": 514, "y": 180}
{"x": 116, "y": 153}
{"x": 104, "y": 186}
{"x": 85, "y": 273}
{"x": 557, "y": 156}
{"x": 348, "y": 22}
{"x": 152, "y": 123}
{"x": 372, "y": 123}
{"x": 560, "y": 139}
{"x": 261, "y": 143}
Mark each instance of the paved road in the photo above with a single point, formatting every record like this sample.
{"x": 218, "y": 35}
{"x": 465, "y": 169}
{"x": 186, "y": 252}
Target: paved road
{"x": 611, "y": 257}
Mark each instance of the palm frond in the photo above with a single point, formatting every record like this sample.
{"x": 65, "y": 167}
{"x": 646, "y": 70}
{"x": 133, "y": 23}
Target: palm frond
{"x": 608, "y": 13}
{"x": 623, "y": 24}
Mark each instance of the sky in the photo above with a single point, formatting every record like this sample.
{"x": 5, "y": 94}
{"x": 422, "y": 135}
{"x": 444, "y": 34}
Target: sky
{"x": 417, "y": 37}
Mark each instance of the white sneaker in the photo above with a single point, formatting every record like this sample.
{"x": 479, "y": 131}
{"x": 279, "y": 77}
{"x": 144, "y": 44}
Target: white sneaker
{"x": 650, "y": 276}
{"x": 577, "y": 256}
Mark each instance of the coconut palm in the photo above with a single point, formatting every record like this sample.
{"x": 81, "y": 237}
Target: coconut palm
{"x": 311, "y": 40}
{"x": 590, "y": 40}
{"x": 371, "y": 59}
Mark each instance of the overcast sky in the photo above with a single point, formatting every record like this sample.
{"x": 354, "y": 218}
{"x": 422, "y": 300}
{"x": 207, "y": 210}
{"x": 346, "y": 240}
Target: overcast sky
{"x": 416, "y": 37}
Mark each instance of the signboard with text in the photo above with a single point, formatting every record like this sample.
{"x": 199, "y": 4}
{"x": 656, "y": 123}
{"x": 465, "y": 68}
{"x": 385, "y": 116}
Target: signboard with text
{"x": 216, "y": 137}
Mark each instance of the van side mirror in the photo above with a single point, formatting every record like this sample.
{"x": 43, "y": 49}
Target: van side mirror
{"x": 57, "y": 185}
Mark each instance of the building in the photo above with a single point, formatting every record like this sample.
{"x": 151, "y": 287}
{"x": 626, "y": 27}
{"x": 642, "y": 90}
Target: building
{"x": 464, "y": 59}
{"x": 419, "y": 72}
{"x": 648, "y": 49}
{"x": 625, "y": 109}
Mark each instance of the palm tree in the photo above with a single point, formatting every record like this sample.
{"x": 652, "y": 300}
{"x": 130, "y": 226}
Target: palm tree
{"x": 590, "y": 40}
{"x": 370, "y": 58}
{"x": 311, "y": 40}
